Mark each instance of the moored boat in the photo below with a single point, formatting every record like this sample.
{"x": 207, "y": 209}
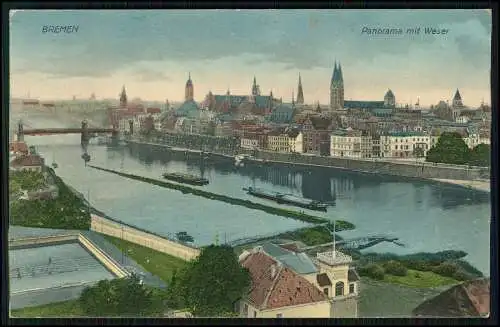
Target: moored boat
{"x": 286, "y": 199}
{"x": 186, "y": 179}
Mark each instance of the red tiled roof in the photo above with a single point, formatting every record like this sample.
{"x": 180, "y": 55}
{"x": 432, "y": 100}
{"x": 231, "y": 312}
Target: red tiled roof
{"x": 28, "y": 161}
{"x": 284, "y": 288}
{"x": 18, "y": 147}
{"x": 469, "y": 299}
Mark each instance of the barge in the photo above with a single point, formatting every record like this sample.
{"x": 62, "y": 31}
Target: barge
{"x": 286, "y": 199}
{"x": 186, "y": 179}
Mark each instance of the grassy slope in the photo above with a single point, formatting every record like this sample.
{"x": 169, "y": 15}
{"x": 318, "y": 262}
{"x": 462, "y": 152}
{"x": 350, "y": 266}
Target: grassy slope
{"x": 420, "y": 279}
{"x": 160, "y": 264}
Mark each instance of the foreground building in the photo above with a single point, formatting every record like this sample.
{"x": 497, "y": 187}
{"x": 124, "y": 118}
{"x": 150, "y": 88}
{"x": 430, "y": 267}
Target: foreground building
{"x": 285, "y": 140}
{"x": 325, "y": 286}
{"x": 278, "y": 292}
{"x": 351, "y": 144}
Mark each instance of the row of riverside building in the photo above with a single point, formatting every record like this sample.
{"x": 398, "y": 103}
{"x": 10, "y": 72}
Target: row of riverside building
{"x": 344, "y": 128}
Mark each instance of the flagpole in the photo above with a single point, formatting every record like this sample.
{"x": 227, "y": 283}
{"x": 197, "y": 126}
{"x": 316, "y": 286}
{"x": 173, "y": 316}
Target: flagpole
{"x": 334, "y": 247}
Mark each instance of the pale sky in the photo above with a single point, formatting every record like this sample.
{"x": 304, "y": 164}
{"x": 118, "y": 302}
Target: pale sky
{"x": 151, "y": 53}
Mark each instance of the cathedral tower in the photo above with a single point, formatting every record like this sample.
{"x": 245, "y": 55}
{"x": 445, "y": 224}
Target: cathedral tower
{"x": 300, "y": 93}
{"x": 123, "y": 98}
{"x": 255, "y": 87}
{"x": 189, "y": 94}
{"x": 457, "y": 100}
{"x": 337, "y": 88}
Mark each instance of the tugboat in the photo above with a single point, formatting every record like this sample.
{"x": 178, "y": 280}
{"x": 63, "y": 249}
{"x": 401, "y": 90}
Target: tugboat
{"x": 186, "y": 179}
{"x": 54, "y": 164}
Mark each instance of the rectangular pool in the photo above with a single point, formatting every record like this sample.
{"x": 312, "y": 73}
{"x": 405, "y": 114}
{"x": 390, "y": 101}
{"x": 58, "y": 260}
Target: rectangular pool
{"x": 53, "y": 266}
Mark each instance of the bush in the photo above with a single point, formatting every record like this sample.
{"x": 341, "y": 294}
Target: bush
{"x": 461, "y": 275}
{"x": 395, "y": 268}
{"x": 420, "y": 265}
{"x": 445, "y": 269}
{"x": 373, "y": 271}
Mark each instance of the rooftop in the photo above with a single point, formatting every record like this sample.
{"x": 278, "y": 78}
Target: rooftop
{"x": 469, "y": 299}
{"x": 276, "y": 286}
{"x": 332, "y": 259}
{"x": 28, "y": 161}
{"x": 301, "y": 263}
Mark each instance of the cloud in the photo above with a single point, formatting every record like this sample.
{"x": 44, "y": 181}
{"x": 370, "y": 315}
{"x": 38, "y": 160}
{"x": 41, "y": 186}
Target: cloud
{"x": 150, "y": 75}
{"x": 109, "y": 41}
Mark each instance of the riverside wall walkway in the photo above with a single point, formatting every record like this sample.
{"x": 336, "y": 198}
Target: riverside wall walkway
{"x": 135, "y": 235}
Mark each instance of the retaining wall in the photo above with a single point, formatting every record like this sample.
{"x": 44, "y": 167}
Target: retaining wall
{"x": 128, "y": 233}
{"x": 406, "y": 169}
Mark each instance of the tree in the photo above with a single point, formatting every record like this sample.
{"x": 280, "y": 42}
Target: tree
{"x": 450, "y": 148}
{"x": 120, "y": 297}
{"x": 418, "y": 152}
{"x": 210, "y": 285}
{"x": 480, "y": 156}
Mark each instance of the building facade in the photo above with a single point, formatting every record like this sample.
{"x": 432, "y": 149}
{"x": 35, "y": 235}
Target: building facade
{"x": 351, "y": 144}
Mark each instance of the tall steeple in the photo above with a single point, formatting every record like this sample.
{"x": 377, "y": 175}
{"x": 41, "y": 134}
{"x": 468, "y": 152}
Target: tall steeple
{"x": 300, "y": 93}
{"x": 337, "y": 88}
{"x": 189, "y": 92}
{"x": 457, "y": 100}
{"x": 123, "y": 98}
{"x": 293, "y": 99}
{"x": 255, "y": 87}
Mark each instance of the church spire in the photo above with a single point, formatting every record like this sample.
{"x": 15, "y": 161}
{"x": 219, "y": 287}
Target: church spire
{"x": 255, "y": 87}
{"x": 123, "y": 97}
{"x": 300, "y": 92}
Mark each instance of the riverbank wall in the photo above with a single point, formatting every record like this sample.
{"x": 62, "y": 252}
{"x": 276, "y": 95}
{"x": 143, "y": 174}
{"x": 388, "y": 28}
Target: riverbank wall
{"x": 421, "y": 170}
{"x": 135, "y": 235}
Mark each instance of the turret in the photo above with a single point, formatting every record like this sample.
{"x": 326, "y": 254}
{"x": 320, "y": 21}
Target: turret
{"x": 189, "y": 92}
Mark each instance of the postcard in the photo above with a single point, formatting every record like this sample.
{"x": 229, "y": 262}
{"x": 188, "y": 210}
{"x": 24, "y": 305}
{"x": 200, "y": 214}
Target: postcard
{"x": 250, "y": 163}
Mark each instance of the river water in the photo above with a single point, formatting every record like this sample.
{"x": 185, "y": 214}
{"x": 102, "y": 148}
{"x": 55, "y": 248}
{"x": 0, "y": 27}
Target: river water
{"x": 424, "y": 216}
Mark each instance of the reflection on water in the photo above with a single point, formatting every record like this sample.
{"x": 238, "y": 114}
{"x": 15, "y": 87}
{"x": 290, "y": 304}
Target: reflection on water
{"x": 312, "y": 183}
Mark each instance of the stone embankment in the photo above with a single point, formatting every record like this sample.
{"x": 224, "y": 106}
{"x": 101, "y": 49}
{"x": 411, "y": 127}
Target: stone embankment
{"x": 404, "y": 168}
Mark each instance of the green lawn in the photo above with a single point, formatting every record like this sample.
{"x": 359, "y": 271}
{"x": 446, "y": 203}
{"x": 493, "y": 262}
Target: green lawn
{"x": 59, "y": 309}
{"x": 420, "y": 279}
{"x": 160, "y": 264}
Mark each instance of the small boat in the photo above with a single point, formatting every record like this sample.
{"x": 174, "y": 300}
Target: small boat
{"x": 86, "y": 157}
{"x": 186, "y": 179}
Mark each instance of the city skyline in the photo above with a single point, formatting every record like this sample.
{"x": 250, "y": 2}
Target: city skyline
{"x": 225, "y": 49}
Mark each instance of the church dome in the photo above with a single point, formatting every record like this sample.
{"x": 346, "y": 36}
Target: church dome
{"x": 389, "y": 94}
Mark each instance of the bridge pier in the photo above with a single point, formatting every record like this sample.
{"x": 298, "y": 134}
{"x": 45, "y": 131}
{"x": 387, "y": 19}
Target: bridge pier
{"x": 20, "y": 132}
{"x": 85, "y": 133}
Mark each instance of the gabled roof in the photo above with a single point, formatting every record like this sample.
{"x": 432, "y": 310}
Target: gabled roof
{"x": 457, "y": 96}
{"x": 276, "y": 286}
{"x": 468, "y": 299}
{"x": 28, "y": 161}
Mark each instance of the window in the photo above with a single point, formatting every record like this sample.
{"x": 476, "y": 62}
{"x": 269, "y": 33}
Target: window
{"x": 325, "y": 290}
{"x": 339, "y": 289}
{"x": 351, "y": 288}
{"x": 279, "y": 315}
{"x": 245, "y": 310}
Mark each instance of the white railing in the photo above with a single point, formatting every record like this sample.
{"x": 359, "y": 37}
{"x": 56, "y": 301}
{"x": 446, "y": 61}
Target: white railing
{"x": 330, "y": 258}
